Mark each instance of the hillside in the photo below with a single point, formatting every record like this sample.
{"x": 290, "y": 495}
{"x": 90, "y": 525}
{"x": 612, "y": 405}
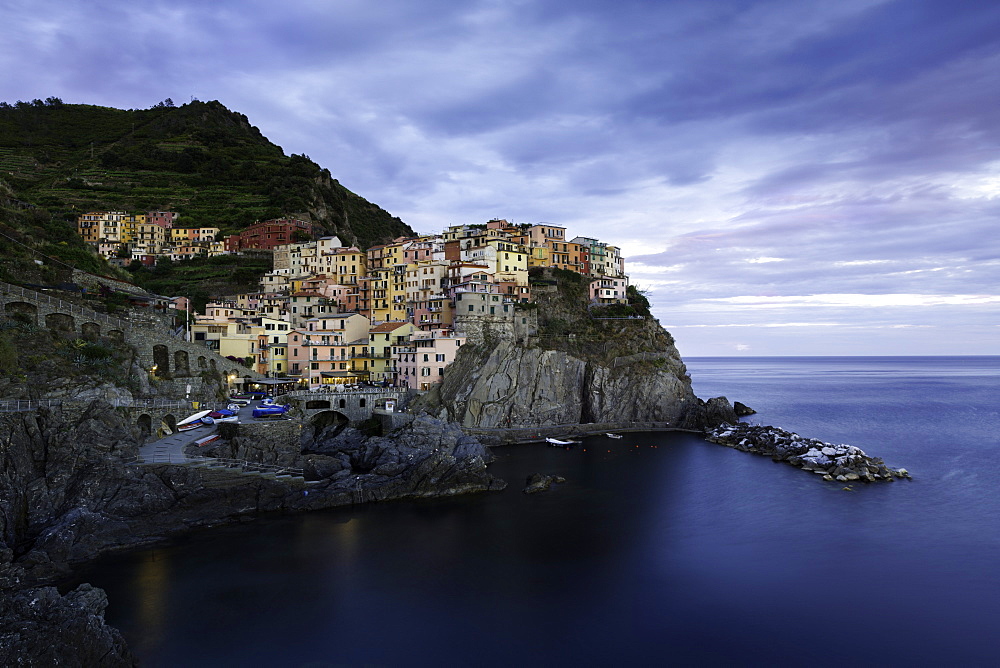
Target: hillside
{"x": 201, "y": 160}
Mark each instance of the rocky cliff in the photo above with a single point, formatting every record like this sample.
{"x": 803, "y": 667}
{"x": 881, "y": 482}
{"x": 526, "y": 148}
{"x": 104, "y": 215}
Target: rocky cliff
{"x": 581, "y": 366}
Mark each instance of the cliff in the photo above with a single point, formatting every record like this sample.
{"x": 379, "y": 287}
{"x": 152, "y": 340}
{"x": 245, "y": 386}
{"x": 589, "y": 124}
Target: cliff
{"x": 576, "y": 365}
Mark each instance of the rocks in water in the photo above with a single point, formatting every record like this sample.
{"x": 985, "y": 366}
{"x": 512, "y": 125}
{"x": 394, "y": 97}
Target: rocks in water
{"x": 427, "y": 457}
{"x": 843, "y": 463}
{"x": 538, "y": 482}
{"x": 742, "y": 410}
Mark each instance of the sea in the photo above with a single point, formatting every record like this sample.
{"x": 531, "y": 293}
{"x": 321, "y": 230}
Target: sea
{"x": 660, "y": 549}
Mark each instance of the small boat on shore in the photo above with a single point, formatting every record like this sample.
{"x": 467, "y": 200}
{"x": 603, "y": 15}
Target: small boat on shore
{"x": 192, "y": 421}
{"x": 273, "y": 410}
{"x": 223, "y": 415}
{"x": 205, "y": 440}
{"x": 556, "y": 441}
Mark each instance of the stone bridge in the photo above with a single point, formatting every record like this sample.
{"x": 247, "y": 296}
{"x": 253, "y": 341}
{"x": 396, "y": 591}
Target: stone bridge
{"x": 182, "y": 362}
{"x": 354, "y": 405}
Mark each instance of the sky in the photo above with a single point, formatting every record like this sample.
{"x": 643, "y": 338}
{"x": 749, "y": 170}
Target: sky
{"x": 785, "y": 177}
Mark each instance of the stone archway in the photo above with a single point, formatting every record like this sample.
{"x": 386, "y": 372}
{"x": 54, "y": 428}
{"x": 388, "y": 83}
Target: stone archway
{"x": 161, "y": 358}
{"x": 23, "y": 311}
{"x": 181, "y": 366}
{"x": 318, "y": 403}
{"x": 145, "y": 423}
{"x": 90, "y": 331}
{"x": 342, "y": 403}
{"x": 333, "y": 422}
{"x": 116, "y": 335}
{"x": 171, "y": 422}
{"x": 202, "y": 362}
{"x": 60, "y": 322}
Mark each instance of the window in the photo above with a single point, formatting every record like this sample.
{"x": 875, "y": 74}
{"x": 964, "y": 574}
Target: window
{"x": 439, "y": 357}
{"x": 314, "y": 366}
{"x": 426, "y": 357}
{"x": 441, "y": 371}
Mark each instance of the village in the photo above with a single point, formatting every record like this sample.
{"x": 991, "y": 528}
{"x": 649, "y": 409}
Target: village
{"x": 328, "y": 316}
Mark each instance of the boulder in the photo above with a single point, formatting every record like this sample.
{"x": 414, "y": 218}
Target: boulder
{"x": 538, "y": 482}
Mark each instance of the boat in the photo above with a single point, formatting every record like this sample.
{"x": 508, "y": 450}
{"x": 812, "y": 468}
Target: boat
{"x": 205, "y": 440}
{"x": 192, "y": 421}
{"x": 610, "y": 435}
{"x": 556, "y": 441}
{"x": 274, "y": 410}
{"x": 223, "y": 415}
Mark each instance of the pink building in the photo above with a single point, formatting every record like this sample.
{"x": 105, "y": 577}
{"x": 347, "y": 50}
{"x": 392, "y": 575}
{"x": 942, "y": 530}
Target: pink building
{"x": 421, "y": 362}
{"x": 164, "y": 219}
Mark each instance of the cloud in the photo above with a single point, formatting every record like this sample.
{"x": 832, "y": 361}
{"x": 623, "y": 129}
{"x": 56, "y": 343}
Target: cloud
{"x": 733, "y": 149}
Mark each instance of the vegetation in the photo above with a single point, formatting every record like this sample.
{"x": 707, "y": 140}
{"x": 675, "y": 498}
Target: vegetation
{"x": 568, "y": 322}
{"x": 201, "y": 160}
{"x": 202, "y": 279}
{"x": 34, "y": 359}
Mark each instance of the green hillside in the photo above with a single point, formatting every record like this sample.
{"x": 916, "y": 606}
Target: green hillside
{"x": 201, "y": 160}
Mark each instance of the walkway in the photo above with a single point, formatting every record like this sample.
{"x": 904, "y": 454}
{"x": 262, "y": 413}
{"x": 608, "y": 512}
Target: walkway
{"x": 170, "y": 449}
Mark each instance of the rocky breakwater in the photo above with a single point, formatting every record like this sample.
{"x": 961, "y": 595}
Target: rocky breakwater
{"x": 844, "y": 463}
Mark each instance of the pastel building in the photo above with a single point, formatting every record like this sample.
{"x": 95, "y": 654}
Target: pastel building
{"x": 421, "y": 362}
{"x": 320, "y": 351}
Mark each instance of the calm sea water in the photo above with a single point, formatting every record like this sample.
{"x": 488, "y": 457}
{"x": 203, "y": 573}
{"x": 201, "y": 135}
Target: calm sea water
{"x": 660, "y": 549}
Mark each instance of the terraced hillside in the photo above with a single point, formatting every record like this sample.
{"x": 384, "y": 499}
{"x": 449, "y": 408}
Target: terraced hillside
{"x": 201, "y": 160}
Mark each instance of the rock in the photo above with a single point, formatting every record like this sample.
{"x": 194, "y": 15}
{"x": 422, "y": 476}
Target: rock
{"x": 849, "y": 463}
{"x": 537, "y": 482}
{"x": 742, "y": 410}
{"x": 504, "y": 384}
{"x": 38, "y": 627}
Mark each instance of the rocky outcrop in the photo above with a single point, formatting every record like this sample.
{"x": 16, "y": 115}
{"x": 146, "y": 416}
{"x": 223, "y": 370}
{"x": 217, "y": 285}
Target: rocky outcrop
{"x": 38, "y": 627}
{"x": 509, "y": 385}
{"x": 538, "y": 482}
{"x": 843, "y": 463}
{"x": 428, "y": 457}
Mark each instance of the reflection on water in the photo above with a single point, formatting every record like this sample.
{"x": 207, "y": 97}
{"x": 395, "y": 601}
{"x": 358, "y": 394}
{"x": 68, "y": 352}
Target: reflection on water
{"x": 150, "y": 587}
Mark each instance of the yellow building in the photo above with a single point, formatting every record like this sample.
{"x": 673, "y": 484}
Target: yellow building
{"x": 381, "y": 339}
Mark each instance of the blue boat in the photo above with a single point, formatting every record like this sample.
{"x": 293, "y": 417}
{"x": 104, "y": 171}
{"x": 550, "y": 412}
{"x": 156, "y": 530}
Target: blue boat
{"x": 270, "y": 411}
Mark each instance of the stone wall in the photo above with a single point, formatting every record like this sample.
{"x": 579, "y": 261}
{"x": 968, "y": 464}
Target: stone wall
{"x": 179, "y": 363}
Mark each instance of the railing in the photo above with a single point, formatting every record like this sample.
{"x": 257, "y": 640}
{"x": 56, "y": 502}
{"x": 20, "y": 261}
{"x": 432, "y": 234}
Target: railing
{"x": 220, "y": 462}
{"x": 150, "y": 403}
{"x": 21, "y": 405}
{"x": 381, "y": 391}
